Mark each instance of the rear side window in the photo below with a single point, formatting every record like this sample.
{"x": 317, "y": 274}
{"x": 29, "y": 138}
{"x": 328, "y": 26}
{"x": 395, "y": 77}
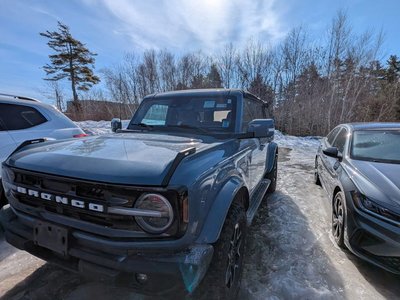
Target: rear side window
{"x": 252, "y": 110}
{"x": 16, "y": 117}
{"x": 340, "y": 140}
{"x": 331, "y": 136}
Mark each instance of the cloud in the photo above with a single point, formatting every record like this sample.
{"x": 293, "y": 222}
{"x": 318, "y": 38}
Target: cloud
{"x": 182, "y": 25}
{"x": 43, "y": 11}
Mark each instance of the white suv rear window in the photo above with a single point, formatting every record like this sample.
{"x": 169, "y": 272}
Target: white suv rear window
{"x": 16, "y": 117}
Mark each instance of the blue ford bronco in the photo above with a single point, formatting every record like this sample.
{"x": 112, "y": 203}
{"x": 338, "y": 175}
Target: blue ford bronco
{"x": 162, "y": 206}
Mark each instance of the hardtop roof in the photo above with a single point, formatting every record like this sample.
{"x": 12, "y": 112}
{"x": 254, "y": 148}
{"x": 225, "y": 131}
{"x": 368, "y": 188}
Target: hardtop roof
{"x": 203, "y": 92}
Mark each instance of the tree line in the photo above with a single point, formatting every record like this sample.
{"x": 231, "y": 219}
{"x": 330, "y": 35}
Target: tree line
{"x": 309, "y": 85}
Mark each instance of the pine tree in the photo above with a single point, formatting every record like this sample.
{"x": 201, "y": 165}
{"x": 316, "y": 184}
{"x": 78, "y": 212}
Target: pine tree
{"x": 72, "y": 60}
{"x": 262, "y": 90}
{"x": 213, "y": 78}
{"x": 198, "y": 82}
{"x": 393, "y": 70}
{"x": 393, "y": 82}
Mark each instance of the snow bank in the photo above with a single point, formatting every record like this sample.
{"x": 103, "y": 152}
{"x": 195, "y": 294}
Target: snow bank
{"x": 98, "y": 127}
{"x": 289, "y": 141}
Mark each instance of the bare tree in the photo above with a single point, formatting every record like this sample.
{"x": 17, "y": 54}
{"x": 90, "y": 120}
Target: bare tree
{"x": 226, "y": 63}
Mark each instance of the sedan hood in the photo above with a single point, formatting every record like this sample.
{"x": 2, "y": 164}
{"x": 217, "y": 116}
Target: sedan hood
{"x": 125, "y": 158}
{"x": 379, "y": 181}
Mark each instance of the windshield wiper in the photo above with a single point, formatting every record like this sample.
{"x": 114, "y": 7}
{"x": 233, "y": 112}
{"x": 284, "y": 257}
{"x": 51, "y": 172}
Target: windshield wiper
{"x": 189, "y": 127}
{"x": 144, "y": 125}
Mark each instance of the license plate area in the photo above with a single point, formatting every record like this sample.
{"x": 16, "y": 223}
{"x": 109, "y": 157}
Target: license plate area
{"x": 52, "y": 237}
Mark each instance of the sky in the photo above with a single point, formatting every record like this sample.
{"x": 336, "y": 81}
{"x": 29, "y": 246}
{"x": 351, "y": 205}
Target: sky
{"x": 112, "y": 28}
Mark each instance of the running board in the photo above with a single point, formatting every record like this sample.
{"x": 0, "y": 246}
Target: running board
{"x": 255, "y": 199}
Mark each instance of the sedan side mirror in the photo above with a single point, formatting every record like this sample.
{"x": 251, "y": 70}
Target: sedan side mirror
{"x": 262, "y": 128}
{"x": 332, "y": 152}
{"x": 116, "y": 124}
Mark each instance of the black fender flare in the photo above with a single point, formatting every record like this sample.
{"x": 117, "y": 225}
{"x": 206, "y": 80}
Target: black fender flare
{"x": 272, "y": 152}
{"x": 219, "y": 210}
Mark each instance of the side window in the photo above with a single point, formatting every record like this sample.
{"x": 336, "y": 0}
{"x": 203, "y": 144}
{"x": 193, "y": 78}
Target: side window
{"x": 16, "y": 117}
{"x": 156, "y": 115}
{"x": 340, "y": 140}
{"x": 247, "y": 117}
{"x": 260, "y": 112}
{"x": 252, "y": 110}
{"x": 331, "y": 136}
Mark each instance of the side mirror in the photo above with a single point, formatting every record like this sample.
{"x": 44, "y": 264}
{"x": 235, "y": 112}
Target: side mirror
{"x": 116, "y": 124}
{"x": 332, "y": 152}
{"x": 262, "y": 128}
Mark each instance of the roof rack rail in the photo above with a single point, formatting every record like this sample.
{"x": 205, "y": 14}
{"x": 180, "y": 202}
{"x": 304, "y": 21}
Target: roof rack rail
{"x": 19, "y": 97}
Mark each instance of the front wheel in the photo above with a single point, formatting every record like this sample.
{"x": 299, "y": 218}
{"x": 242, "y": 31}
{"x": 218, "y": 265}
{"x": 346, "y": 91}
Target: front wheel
{"x": 338, "y": 217}
{"x": 223, "y": 278}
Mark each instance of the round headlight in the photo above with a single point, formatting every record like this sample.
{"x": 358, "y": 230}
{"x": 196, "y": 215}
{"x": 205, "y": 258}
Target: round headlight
{"x": 157, "y": 203}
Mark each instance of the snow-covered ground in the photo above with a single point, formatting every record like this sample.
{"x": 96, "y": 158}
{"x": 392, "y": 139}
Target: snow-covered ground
{"x": 98, "y": 127}
{"x": 290, "y": 252}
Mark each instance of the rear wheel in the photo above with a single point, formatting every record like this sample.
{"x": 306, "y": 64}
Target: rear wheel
{"x": 338, "y": 217}
{"x": 224, "y": 275}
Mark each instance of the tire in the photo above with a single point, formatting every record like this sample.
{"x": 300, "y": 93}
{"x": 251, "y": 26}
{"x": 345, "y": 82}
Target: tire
{"x": 338, "y": 219}
{"x": 223, "y": 278}
{"x": 317, "y": 181}
{"x": 273, "y": 176}
{"x": 3, "y": 200}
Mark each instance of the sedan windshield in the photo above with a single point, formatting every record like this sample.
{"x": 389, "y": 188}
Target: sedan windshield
{"x": 376, "y": 145}
{"x": 203, "y": 114}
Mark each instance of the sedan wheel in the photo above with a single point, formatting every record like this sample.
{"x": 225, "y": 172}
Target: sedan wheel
{"x": 338, "y": 215}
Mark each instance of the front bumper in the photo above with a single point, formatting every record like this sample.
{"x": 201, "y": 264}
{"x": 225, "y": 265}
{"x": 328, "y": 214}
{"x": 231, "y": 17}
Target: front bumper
{"x": 372, "y": 238}
{"x": 99, "y": 257}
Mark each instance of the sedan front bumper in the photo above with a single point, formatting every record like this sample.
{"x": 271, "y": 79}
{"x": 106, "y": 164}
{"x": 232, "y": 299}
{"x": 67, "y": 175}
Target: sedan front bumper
{"x": 372, "y": 238}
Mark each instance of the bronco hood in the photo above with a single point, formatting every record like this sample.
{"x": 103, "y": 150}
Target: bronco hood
{"x": 125, "y": 158}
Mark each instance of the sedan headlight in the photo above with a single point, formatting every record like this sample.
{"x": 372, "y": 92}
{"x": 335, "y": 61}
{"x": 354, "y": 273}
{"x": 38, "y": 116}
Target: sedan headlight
{"x": 369, "y": 205}
{"x": 157, "y": 203}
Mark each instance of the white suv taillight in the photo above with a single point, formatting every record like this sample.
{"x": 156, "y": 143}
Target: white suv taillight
{"x": 80, "y": 135}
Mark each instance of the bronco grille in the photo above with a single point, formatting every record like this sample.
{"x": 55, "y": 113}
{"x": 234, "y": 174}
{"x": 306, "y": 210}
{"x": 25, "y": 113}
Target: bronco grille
{"x": 105, "y": 195}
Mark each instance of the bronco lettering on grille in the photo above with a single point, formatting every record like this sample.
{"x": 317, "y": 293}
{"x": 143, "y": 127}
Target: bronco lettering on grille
{"x": 61, "y": 199}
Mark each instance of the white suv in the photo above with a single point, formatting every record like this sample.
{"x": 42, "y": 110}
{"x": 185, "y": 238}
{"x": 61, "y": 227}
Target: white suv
{"x": 23, "y": 118}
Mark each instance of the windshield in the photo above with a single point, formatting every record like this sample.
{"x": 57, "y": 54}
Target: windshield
{"x": 376, "y": 145}
{"x": 205, "y": 114}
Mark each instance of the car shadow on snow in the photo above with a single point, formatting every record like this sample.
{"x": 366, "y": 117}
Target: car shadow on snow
{"x": 386, "y": 283}
{"x": 5, "y": 249}
{"x": 284, "y": 259}
{"x": 51, "y": 282}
